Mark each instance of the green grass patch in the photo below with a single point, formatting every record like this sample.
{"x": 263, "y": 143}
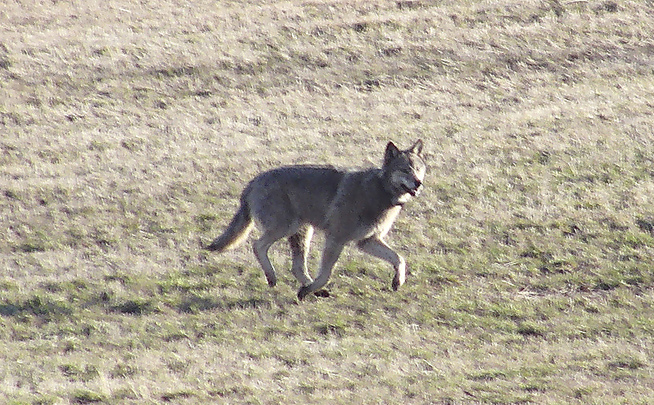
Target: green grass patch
{"x": 128, "y": 138}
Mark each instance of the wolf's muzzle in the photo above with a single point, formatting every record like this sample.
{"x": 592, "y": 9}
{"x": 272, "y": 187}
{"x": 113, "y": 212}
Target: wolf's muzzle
{"x": 413, "y": 190}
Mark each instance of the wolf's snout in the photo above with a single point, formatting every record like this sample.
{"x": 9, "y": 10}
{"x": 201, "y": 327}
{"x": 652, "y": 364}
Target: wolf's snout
{"x": 414, "y": 189}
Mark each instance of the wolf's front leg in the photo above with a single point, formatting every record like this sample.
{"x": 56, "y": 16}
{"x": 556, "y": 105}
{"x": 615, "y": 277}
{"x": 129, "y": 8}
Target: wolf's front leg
{"x": 330, "y": 255}
{"x": 378, "y": 248}
{"x": 400, "y": 274}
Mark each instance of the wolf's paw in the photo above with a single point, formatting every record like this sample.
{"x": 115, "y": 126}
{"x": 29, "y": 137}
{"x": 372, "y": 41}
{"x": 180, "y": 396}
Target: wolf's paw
{"x": 272, "y": 281}
{"x": 322, "y": 294}
{"x": 303, "y": 292}
{"x": 212, "y": 247}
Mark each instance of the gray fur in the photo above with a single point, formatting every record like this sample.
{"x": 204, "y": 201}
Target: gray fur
{"x": 360, "y": 206}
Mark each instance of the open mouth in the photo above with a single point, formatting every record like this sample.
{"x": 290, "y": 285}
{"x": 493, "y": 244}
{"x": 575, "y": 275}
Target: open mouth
{"x": 411, "y": 191}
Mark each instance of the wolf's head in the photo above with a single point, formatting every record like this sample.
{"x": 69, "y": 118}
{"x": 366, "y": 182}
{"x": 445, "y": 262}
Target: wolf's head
{"x": 403, "y": 171}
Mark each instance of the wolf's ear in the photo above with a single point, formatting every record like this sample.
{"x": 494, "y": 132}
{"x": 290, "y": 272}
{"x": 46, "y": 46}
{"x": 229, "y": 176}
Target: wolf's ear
{"x": 391, "y": 152}
{"x": 417, "y": 147}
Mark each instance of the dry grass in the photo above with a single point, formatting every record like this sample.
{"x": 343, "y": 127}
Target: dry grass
{"x": 129, "y": 130}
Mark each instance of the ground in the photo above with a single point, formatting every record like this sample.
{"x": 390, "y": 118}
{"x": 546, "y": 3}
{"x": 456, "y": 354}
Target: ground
{"x": 130, "y": 128}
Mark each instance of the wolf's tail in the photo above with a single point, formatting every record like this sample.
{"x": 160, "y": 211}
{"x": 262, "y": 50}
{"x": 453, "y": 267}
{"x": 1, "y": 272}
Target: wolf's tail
{"x": 237, "y": 230}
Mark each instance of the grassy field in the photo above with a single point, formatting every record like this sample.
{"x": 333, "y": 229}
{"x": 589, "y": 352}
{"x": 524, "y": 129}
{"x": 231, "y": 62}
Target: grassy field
{"x": 128, "y": 129}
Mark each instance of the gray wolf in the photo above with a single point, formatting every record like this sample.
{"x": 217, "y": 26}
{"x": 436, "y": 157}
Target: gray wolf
{"x": 348, "y": 206}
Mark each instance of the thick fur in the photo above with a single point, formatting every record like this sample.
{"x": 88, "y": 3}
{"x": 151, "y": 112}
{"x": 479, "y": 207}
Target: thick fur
{"x": 349, "y": 206}
{"x": 237, "y": 231}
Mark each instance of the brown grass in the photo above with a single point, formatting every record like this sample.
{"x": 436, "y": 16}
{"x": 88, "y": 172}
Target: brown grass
{"x": 129, "y": 129}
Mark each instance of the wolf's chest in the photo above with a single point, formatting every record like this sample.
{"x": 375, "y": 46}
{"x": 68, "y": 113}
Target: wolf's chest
{"x": 385, "y": 221}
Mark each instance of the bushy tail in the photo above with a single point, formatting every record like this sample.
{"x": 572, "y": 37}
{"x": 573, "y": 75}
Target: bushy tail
{"x": 237, "y": 230}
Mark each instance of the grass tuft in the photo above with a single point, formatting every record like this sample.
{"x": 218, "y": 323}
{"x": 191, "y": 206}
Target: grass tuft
{"x": 177, "y": 395}
{"x": 136, "y": 307}
{"x": 87, "y": 397}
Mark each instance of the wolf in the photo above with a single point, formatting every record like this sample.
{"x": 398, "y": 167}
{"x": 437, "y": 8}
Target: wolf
{"x": 348, "y": 206}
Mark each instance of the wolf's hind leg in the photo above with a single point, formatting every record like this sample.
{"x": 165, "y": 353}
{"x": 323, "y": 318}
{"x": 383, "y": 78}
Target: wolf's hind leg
{"x": 299, "y": 249}
{"x": 260, "y": 247}
{"x": 378, "y": 248}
